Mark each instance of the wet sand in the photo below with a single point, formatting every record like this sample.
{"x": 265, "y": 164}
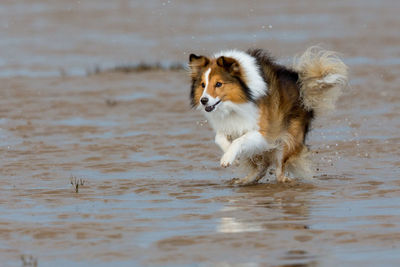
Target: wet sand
{"x": 153, "y": 191}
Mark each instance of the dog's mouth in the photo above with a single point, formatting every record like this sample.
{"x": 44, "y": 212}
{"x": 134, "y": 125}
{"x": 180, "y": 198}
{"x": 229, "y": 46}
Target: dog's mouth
{"x": 211, "y": 108}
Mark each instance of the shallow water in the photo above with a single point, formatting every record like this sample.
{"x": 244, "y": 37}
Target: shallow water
{"x": 153, "y": 191}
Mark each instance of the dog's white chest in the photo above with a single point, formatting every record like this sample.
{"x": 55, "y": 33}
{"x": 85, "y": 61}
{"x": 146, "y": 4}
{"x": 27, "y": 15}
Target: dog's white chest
{"x": 234, "y": 120}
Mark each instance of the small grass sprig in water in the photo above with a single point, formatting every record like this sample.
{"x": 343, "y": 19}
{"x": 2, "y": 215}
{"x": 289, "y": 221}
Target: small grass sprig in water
{"x": 29, "y": 261}
{"x": 76, "y": 182}
{"x": 136, "y": 68}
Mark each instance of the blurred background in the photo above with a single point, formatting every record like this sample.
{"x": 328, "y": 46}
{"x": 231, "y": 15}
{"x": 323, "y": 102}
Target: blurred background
{"x": 103, "y": 162}
{"x": 44, "y": 38}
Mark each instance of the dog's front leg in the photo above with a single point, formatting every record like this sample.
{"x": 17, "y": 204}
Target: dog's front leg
{"x": 222, "y": 141}
{"x": 248, "y": 145}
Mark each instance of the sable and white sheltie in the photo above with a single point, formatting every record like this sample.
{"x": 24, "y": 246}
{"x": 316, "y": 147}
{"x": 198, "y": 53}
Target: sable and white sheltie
{"x": 262, "y": 111}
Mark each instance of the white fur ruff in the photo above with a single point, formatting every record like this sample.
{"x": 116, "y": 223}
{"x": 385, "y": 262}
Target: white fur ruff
{"x": 251, "y": 69}
{"x": 233, "y": 119}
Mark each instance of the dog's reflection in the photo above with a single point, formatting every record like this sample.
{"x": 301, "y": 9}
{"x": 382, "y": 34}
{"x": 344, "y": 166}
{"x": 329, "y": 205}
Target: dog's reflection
{"x": 263, "y": 207}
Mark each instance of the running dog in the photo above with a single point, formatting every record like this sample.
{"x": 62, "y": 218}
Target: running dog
{"x": 262, "y": 111}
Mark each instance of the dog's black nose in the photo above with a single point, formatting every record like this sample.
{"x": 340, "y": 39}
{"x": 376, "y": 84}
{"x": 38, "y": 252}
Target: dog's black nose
{"x": 204, "y": 100}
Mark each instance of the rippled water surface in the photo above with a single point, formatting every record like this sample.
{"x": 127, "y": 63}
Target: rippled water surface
{"x": 152, "y": 191}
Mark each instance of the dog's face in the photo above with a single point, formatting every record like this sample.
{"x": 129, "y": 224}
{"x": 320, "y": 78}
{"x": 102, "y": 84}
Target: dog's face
{"x": 216, "y": 81}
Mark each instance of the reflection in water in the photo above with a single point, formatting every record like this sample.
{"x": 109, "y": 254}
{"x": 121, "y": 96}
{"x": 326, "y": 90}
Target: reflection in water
{"x": 231, "y": 225}
{"x": 279, "y": 203}
{"x": 278, "y": 212}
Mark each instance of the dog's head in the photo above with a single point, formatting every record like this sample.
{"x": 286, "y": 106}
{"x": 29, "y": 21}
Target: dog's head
{"x": 217, "y": 81}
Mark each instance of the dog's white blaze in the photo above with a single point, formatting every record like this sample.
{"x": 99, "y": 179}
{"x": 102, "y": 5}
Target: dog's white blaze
{"x": 207, "y": 74}
{"x": 206, "y": 77}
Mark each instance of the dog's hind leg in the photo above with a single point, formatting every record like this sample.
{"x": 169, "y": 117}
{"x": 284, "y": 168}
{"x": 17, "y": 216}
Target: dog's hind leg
{"x": 257, "y": 172}
{"x": 284, "y": 158}
{"x": 291, "y": 146}
{"x": 300, "y": 165}
{"x": 280, "y": 167}
{"x": 252, "y": 178}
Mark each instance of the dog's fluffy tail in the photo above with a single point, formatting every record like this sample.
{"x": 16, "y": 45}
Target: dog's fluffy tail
{"x": 323, "y": 76}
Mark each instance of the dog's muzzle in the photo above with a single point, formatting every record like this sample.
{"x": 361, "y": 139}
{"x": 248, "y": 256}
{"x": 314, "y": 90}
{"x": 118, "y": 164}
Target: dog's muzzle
{"x": 211, "y": 108}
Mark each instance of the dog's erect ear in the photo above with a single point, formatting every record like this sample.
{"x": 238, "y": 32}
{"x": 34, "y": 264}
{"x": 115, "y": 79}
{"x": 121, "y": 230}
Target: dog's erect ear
{"x": 196, "y": 63}
{"x": 193, "y": 58}
{"x": 229, "y": 64}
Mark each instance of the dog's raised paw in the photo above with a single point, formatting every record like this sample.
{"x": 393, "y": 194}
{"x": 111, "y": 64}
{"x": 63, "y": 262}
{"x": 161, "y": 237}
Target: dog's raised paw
{"x": 227, "y": 159}
{"x": 225, "y": 164}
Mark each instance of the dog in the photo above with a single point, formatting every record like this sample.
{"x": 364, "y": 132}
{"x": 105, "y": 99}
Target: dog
{"x": 262, "y": 111}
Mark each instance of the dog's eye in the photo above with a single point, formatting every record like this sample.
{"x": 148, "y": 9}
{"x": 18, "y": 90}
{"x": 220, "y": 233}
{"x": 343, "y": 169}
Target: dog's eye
{"x": 218, "y": 84}
{"x": 203, "y": 85}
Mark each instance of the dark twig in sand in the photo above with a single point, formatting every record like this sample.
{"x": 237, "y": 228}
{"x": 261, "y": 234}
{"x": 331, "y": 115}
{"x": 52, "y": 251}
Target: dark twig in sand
{"x": 111, "y": 102}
